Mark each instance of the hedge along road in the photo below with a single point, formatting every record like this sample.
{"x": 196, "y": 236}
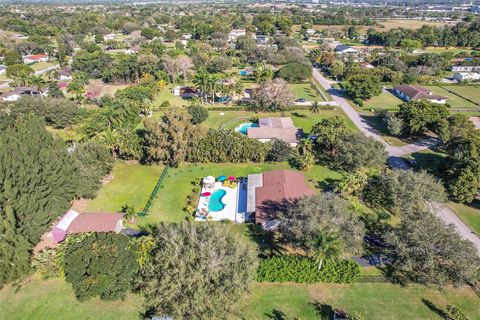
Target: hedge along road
{"x": 395, "y": 160}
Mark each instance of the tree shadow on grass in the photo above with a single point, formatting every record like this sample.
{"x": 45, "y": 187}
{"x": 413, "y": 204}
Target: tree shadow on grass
{"x": 435, "y": 309}
{"x": 430, "y": 162}
{"x": 325, "y": 311}
{"x": 276, "y": 315}
{"x": 299, "y": 115}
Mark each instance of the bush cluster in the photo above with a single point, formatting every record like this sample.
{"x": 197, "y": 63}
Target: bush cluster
{"x": 302, "y": 269}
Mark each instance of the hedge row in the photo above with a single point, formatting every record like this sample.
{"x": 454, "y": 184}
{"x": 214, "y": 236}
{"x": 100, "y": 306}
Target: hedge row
{"x": 301, "y": 269}
{"x": 246, "y": 108}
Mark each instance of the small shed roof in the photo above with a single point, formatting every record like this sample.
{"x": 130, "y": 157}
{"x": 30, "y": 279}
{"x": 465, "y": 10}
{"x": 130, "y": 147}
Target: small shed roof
{"x": 95, "y": 222}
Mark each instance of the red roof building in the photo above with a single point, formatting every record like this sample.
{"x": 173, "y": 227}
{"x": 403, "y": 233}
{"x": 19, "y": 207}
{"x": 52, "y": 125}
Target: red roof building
{"x": 273, "y": 189}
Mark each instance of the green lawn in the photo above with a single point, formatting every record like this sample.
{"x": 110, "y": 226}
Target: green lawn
{"x": 385, "y": 100}
{"x": 305, "y": 91}
{"x": 301, "y": 118}
{"x": 54, "y": 300}
{"x": 428, "y": 160}
{"x": 470, "y": 214}
{"x": 167, "y": 95}
{"x": 41, "y": 65}
{"x": 131, "y": 184}
{"x": 168, "y": 206}
{"x": 455, "y": 101}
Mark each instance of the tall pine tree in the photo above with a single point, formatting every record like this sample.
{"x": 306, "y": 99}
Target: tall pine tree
{"x": 38, "y": 179}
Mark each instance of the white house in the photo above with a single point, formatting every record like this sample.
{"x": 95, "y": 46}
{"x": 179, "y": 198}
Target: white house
{"x": 109, "y": 36}
{"x": 310, "y": 32}
{"x": 132, "y": 50}
{"x": 235, "y": 33}
{"x": 31, "y": 58}
{"x": 3, "y": 69}
{"x": 10, "y": 96}
{"x": 342, "y": 49}
{"x": 465, "y": 68}
{"x": 466, "y": 76}
{"x": 409, "y": 93}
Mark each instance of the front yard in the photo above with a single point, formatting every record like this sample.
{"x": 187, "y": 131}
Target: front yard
{"x": 385, "y": 101}
{"x": 54, "y": 299}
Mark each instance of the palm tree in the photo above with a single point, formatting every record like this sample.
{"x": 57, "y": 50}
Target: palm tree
{"x": 201, "y": 81}
{"x": 214, "y": 85}
{"x": 77, "y": 89}
{"x": 22, "y": 79}
{"x": 315, "y": 107}
{"x": 111, "y": 138}
{"x": 325, "y": 245}
{"x": 39, "y": 82}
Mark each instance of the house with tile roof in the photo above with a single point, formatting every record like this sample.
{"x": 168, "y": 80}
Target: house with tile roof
{"x": 281, "y": 128}
{"x": 409, "y": 93}
{"x": 270, "y": 191}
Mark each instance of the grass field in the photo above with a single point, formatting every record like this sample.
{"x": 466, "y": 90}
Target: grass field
{"x": 41, "y": 65}
{"x": 54, "y": 300}
{"x": 131, "y": 184}
{"x": 301, "y": 118}
{"x": 428, "y": 160}
{"x": 455, "y": 101}
{"x": 383, "y": 25}
{"x": 168, "y": 206}
{"x": 305, "y": 91}
{"x": 470, "y": 214}
{"x": 385, "y": 100}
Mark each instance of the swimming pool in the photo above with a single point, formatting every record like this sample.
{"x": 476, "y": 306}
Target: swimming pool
{"x": 215, "y": 204}
{"x": 243, "y": 128}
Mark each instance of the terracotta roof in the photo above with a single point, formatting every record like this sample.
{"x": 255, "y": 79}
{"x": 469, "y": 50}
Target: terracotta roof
{"x": 418, "y": 93}
{"x": 36, "y": 56}
{"x": 278, "y": 186}
{"x": 95, "y": 222}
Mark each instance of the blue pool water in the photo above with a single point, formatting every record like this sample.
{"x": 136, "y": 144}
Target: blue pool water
{"x": 244, "y": 127}
{"x": 215, "y": 204}
{"x": 243, "y": 72}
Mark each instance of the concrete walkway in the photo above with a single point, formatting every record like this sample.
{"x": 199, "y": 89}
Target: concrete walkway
{"x": 395, "y": 154}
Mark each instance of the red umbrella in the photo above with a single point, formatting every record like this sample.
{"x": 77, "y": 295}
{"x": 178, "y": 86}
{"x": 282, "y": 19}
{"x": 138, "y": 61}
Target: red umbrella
{"x": 231, "y": 178}
{"x": 206, "y": 194}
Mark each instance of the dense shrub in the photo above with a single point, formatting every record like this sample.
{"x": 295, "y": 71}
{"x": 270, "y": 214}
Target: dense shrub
{"x": 227, "y": 146}
{"x": 100, "y": 264}
{"x": 198, "y": 113}
{"x": 280, "y": 151}
{"x": 305, "y": 270}
{"x": 57, "y": 112}
{"x": 294, "y": 72}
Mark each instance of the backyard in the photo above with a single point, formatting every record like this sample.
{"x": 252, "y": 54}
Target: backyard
{"x": 301, "y": 118}
{"x": 54, "y": 299}
{"x": 385, "y": 100}
{"x": 178, "y": 185}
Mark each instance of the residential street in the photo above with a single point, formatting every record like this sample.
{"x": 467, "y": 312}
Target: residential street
{"x": 395, "y": 160}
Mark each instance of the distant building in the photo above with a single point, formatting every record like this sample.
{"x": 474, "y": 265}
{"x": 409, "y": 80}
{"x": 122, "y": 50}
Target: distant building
{"x": 65, "y": 74}
{"x": 236, "y": 33}
{"x": 310, "y": 32}
{"x": 409, "y": 93}
{"x": 109, "y": 36}
{"x": 367, "y": 65}
{"x": 280, "y": 128}
{"x": 132, "y": 50}
{"x": 261, "y": 39}
{"x": 3, "y": 69}
{"x": 343, "y": 49}
{"x": 269, "y": 191}
{"x": 466, "y": 76}
{"x": 10, "y": 96}
{"x": 465, "y": 68}
{"x": 31, "y": 58}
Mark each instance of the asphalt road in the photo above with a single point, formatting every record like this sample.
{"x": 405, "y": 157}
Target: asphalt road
{"x": 395, "y": 154}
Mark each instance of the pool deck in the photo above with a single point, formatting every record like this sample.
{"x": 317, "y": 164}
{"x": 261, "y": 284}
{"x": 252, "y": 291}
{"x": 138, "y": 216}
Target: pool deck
{"x": 230, "y": 200}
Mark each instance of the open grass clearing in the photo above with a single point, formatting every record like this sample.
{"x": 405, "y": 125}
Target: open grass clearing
{"x": 453, "y": 100}
{"x": 301, "y": 118}
{"x": 305, "y": 91}
{"x": 469, "y": 214}
{"x": 130, "y": 184}
{"x": 54, "y": 299}
{"x": 41, "y": 65}
{"x": 179, "y": 182}
{"x": 384, "y": 101}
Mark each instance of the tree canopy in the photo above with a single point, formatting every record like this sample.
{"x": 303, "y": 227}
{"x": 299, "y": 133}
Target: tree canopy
{"x": 196, "y": 271}
{"x": 38, "y": 179}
